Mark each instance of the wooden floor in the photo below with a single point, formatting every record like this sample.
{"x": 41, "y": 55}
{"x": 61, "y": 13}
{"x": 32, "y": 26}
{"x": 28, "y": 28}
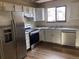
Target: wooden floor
{"x": 48, "y": 51}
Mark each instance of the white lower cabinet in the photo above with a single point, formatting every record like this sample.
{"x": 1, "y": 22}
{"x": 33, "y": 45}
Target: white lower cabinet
{"x": 77, "y": 39}
{"x": 48, "y": 35}
{"x": 68, "y": 38}
{"x": 56, "y": 36}
{"x": 27, "y": 40}
{"x": 42, "y": 35}
{"x": 51, "y": 35}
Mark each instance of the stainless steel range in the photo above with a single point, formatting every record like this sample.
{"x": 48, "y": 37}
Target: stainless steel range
{"x": 32, "y": 37}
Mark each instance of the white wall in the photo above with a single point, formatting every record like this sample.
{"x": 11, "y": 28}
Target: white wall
{"x": 72, "y": 14}
{"x": 5, "y": 18}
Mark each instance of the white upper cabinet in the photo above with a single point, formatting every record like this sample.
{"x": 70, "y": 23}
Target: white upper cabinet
{"x": 39, "y": 14}
{"x": 8, "y": 6}
{"x": 18, "y": 8}
{"x": 26, "y": 9}
{"x": 1, "y": 5}
{"x": 74, "y": 12}
{"x": 29, "y": 11}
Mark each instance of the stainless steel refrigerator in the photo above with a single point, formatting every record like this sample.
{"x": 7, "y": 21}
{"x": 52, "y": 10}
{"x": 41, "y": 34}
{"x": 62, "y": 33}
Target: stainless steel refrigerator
{"x": 12, "y": 35}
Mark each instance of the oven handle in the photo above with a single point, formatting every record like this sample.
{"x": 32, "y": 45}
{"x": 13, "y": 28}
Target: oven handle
{"x": 34, "y": 32}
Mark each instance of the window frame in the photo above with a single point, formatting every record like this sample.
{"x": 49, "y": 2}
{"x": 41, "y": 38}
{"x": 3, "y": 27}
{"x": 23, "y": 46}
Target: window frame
{"x": 56, "y": 14}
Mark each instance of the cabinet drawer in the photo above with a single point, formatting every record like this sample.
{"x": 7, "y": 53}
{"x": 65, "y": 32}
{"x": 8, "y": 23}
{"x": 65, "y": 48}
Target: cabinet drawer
{"x": 8, "y": 6}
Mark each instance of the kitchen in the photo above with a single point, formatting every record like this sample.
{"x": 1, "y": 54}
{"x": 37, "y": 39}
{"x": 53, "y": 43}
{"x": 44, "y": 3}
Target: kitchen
{"x": 39, "y": 29}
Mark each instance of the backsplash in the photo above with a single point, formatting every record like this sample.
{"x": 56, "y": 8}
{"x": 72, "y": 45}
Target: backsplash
{"x": 58, "y": 24}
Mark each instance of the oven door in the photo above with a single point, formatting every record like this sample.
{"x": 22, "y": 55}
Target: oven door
{"x": 34, "y": 37}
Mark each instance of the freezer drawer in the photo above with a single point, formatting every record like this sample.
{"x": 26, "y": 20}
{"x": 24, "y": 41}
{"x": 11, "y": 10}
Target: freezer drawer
{"x": 69, "y": 38}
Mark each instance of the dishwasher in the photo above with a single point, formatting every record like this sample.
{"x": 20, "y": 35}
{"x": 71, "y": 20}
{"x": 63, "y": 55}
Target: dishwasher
{"x": 68, "y": 38}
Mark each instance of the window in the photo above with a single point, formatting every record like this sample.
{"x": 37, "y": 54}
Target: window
{"x": 61, "y": 14}
{"x": 56, "y": 14}
{"x": 51, "y": 14}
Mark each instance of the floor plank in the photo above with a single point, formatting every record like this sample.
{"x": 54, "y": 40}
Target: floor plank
{"x": 48, "y": 51}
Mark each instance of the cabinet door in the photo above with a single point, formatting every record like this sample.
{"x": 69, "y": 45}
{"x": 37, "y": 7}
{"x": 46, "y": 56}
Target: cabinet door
{"x": 18, "y": 8}
{"x": 26, "y": 9}
{"x": 8, "y": 6}
{"x": 1, "y": 5}
{"x": 27, "y": 41}
{"x": 69, "y": 38}
{"x": 53, "y": 36}
{"x": 77, "y": 39}
{"x": 48, "y": 35}
{"x": 42, "y": 35}
{"x": 56, "y": 36}
{"x": 29, "y": 11}
{"x": 39, "y": 13}
{"x": 74, "y": 12}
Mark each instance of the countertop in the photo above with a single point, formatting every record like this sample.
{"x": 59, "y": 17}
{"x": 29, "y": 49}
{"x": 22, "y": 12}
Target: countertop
{"x": 58, "y": 28}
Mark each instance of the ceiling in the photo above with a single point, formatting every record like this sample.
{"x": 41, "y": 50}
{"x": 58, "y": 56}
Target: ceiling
{"x": 41, "y": 1}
